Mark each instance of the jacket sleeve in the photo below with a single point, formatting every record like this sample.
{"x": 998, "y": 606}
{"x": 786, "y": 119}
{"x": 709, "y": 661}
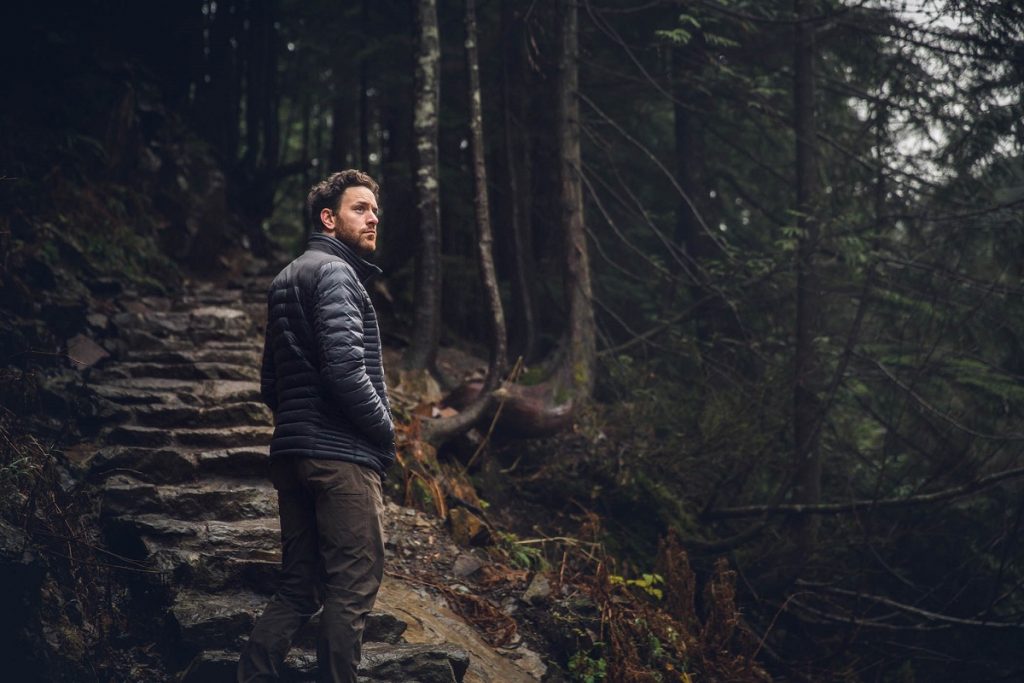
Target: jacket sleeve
{"x": 268, "y": 374}
{"x": 338, "y": 328}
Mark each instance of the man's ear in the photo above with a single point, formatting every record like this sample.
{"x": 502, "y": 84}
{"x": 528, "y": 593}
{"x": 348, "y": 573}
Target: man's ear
{"x": 327, "y": 219}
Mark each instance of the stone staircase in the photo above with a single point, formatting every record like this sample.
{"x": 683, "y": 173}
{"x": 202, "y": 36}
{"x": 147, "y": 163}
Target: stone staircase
{"x": 181, "y": 466}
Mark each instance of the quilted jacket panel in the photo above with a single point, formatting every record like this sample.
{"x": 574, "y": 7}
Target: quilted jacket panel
{"x": 323, "y": 370}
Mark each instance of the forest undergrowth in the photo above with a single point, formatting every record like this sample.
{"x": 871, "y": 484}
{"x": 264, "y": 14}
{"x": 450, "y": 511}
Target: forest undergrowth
{"x": 624, "y": 601}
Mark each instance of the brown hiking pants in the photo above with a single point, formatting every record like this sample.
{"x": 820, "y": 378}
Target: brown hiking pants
{"x": 332, "y": 555}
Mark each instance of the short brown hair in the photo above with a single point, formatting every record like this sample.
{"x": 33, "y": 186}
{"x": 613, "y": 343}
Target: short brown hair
{"x": 327, "y": 193}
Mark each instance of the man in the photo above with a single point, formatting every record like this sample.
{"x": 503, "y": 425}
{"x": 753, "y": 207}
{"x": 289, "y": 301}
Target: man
{"x": 323, "y": 378}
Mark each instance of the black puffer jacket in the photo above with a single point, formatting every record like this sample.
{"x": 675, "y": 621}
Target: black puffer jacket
{"x": 323, "y": 375}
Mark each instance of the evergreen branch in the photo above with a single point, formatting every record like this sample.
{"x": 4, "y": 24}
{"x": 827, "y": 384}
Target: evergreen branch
{"x": 938, "y": 413}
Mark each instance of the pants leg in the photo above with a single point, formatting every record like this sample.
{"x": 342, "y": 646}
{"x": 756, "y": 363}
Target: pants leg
{"x": 349, "y": 513}
{"x": 298, "y": 596}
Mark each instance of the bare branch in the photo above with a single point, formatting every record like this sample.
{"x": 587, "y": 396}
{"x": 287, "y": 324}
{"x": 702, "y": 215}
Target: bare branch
{"x": 909, "y": 609}
{"x": 953, "y": 493}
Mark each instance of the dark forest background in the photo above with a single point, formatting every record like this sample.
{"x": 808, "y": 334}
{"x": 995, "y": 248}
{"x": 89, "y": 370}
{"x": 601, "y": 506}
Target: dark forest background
{"x": 762, "y": 262}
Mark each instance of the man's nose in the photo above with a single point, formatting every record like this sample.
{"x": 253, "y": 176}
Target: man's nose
{"x": 372, "y": 220}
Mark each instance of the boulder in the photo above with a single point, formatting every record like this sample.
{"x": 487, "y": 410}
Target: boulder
{"x": 467, "y": 528}
{"x": 539, "y": 590}
{"x": 466, "y": 565}
{"x": 84, "y": 352}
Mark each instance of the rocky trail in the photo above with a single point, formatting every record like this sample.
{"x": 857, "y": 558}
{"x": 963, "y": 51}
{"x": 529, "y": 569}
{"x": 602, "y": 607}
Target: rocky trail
{"x": 184, "y": 497}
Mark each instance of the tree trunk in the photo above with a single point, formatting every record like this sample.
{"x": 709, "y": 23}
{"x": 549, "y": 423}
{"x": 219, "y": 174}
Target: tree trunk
{"x": 256, "y": 180}
{"x": 519, "y": 243}
{"x": 689, "y": 155}
{"x": 255, "y": 84}
{"x": 343, "y": 153}
{"x": 712, "y": 319}
{"x": 581, "y": 327}
{"x": 307, "y": 126}
{"x": 271, "y": 98}
{"x": 219, "y": 88}
{"x": 364, "y": 91}
{"x": 549, "y": 407}
{"x": 427, "y": 327}
{"x": 442, "y": 429}
{"x": 485, "y": 240}
{"x": 807, "y": 365}
{"x": 689, "y": 150}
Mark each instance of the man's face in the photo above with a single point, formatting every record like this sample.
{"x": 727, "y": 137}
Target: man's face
{"x": 355, "y": 221}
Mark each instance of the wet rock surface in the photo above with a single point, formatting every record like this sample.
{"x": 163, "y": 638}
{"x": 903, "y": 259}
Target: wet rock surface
{"x": 181, "y": 466}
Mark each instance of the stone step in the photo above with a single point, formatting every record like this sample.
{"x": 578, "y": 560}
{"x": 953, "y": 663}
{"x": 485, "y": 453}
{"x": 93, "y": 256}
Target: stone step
{"x": 128, "y": 396}
{"x": 243, "y": 345}
{"x": 143, "y": 391}
{"x": 225, "y": 437}
{"x": 381, "y": 627}
{"x": 210, "y": 499}
{"x": 381, "y": 663}
{"x": 258, "y": 571}
{"x": 180, "y": 414}
{"x": 209, "y": 438}
{"x": 107, "y": 412}
{"x": 251, "y": 304}
{"x": 214, "y": 620}
{"x": 243, "y": 461}
{"x": 253, "y": 287}
{"x": 217, "y": 620}
{"x": 209, "y": 555}
{"x": 150, "y": 465}
{"x": 241, "y": 538}
{"x": 173, "y": 561}
{"x": 213, "y": 297}
{"x": 250, "y": 355}
{"x": 195, "y": 323}
{"x": 177, "y": 465}
{"x": 128, "y": 370}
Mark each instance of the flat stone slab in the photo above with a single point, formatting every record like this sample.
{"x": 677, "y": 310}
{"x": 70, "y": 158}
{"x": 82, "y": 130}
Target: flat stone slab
{"x": 432, "y": 622}
{"x": 382, "y": 663}
{"x": 162, "y": 390}
{"x": 134, "y": 435}
{"x": 244, "y": 537}
{"x": 178, "y": 465}
{"x": 205, "y": 620}
{"x": 158, "y": 526}
{"x": 179, "y": 414}
{"x": 257, "y": 537}
{"x": 209, "y": 438}
{"x": 258, "y": 571}
{"x": 157, "y": 324}
{"x": 381, "y": 627}
{"x": 199, "y": 370}
{"x": 211, "y": 499}
{"x": 132, "y": 395}
{"x": 226, "y": 437}
{"x": 422, "y": 663}
{"x": 212, "y": 620}
{"x": 248, "y": 355}
{"x": 151, "y": 465}
{"x": 163, "y": 322}
{"x": 245, "y": 461}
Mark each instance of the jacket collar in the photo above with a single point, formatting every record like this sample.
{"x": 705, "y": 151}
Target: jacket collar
{"x": 365, "y": 270}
